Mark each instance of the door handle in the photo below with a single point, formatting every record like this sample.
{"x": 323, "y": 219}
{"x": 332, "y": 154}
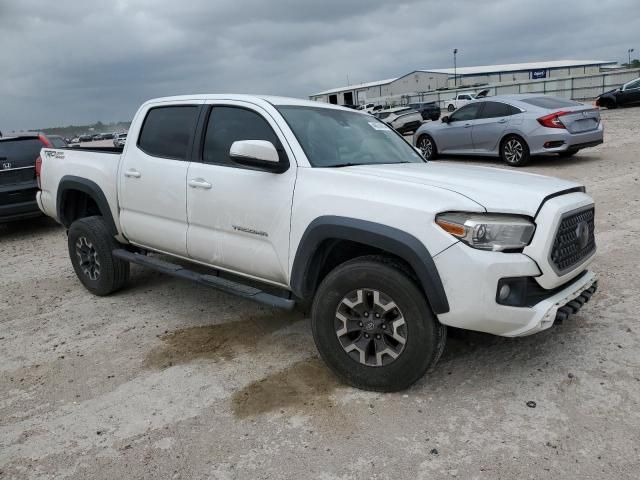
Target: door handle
{"x": 132, "y": 173}
{"x": 467, "y": 125}
{"x": 502, "y": 120}
{"x": 199, "y": 183}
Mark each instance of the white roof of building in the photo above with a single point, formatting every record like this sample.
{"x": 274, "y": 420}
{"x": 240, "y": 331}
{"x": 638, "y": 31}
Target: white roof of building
{"x": 514, "y": 67}
{"x": 357, "y": 86}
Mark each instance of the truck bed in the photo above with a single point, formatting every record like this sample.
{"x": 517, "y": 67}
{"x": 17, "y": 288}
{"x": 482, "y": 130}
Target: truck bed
{"x": 97, "y": 165}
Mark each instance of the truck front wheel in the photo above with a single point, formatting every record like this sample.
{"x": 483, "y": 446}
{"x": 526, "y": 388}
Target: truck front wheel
{"x": 90, "y": 248}
{"x": 373, "y": 326}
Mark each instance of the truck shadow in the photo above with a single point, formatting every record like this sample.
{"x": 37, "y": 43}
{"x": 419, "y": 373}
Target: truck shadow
{"x": 19, "y": 229}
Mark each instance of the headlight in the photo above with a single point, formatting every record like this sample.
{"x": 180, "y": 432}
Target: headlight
{"x": 488, "y": 231}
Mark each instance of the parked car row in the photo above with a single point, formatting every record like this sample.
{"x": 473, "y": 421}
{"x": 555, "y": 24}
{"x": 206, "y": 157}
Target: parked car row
{"x": 93, "y": 137}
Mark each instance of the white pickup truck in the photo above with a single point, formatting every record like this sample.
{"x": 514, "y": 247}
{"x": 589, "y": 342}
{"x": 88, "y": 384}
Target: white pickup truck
{"x": 282, "y": 201}
{"x": 464, "y": 98}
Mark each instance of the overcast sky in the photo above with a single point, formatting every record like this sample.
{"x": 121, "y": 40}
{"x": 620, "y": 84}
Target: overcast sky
{"x": 79, "y": 61}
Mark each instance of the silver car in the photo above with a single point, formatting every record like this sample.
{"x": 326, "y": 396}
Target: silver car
{"x": 514, "y": 127}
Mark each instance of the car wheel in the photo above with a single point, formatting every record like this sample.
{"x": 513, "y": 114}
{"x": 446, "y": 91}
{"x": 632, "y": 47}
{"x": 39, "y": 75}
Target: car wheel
{"x": 608, "y": 104}
{"x": 373, "y": 326}
{"x": 451, "y": 108}
{"x": 90, "y": 248}
{"x": 514, "y": 151}
{"x": 567, "y": 153}
{"x": 427, "y": 146}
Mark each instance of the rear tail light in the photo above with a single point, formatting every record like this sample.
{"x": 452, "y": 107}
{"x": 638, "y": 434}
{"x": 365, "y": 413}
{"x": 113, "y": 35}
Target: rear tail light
{"x": 38, "y": 170}
{"x": 44, "y": 141}
{"x": 552, "y": 120}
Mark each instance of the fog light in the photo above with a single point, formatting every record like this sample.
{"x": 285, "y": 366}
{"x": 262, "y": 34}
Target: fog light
{"x": 505, "y": 290}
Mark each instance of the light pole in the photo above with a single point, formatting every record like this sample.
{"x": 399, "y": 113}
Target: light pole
{"x": 455, "y": 71}
{"x": 629, "y": 53}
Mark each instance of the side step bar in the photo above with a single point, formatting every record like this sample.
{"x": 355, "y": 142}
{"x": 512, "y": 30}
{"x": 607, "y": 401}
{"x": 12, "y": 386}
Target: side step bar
{"x": 228, "y": 286}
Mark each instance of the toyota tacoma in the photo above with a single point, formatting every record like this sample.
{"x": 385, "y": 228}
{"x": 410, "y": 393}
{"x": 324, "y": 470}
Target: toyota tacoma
{"x": 286, "y": 201}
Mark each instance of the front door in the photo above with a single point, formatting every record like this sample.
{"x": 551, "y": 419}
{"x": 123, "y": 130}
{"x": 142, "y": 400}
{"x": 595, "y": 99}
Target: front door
{"x": 239, "y": 217}
{"x": 153, "y": 178}
{"x": 455, "y": 136}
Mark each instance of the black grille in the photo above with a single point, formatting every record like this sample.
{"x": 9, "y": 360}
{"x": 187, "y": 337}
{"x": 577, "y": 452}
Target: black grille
{"x": 575, "y": 240}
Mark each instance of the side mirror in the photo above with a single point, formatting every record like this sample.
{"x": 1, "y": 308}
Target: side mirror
{"x": 257, "y": 153}
{"x": 445, "y": 119}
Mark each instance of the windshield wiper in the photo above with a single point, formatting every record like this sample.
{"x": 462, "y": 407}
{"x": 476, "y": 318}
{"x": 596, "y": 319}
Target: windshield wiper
{"x": 351, "y": 164}
{"x": 346, "y": 164}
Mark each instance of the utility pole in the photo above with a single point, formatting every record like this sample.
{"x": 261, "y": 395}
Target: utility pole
{"x": 629, "y": 52}
{"x": 455, "y": 68}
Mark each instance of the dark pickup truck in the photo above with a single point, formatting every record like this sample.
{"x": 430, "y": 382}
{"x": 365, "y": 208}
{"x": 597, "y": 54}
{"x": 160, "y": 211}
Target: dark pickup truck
{"x": 18, "y": 184}
{"x": 428, "y": 110}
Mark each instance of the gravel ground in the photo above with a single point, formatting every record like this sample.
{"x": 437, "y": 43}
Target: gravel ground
{"x": 167, "y": 379}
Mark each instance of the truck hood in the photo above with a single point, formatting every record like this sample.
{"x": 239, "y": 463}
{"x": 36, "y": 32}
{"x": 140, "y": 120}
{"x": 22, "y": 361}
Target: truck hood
{"x": 496, "y": 189}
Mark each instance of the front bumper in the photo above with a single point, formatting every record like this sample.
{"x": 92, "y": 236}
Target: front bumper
{"x": 470, "y": 278}
{"x": 18, "y": 201}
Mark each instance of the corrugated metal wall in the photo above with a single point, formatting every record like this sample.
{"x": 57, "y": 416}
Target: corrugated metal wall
{"x": 580, "y": 87}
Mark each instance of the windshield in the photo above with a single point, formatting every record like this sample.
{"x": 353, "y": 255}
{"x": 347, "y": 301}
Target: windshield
{"x": 333, "y": 138}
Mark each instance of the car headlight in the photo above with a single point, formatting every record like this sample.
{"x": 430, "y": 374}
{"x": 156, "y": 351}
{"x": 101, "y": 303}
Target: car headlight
{"x": 488, "y": 231}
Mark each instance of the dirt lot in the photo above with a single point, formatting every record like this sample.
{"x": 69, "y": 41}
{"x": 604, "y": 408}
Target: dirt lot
{"x": 172, "y": 380}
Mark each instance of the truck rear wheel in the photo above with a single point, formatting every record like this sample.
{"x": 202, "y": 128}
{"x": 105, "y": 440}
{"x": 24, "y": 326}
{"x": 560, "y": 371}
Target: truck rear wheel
{"x": 90, "y": 248}
{"x": 373, "y": 326}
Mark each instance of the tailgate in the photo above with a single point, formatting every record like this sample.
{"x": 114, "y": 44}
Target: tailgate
{"x": 18, "y": 159}
{"x": 583, "y": 120}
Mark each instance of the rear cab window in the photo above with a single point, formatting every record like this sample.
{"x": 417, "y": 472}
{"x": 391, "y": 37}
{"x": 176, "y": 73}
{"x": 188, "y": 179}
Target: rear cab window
{"x": 167, "y": 132}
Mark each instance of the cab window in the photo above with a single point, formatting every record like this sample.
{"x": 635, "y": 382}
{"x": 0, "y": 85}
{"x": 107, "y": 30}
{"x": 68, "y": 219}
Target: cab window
{"x": 230, "y": 124}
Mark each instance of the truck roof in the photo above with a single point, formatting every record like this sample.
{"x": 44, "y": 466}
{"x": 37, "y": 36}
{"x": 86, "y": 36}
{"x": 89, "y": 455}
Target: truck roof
{"x": 258, "y": 99}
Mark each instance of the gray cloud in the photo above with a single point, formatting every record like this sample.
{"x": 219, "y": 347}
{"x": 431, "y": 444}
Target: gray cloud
{"x": 76, "y": 61}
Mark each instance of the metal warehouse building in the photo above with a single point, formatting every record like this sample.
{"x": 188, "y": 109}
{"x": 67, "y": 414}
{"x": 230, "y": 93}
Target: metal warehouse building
{"x": 420, "y": 81}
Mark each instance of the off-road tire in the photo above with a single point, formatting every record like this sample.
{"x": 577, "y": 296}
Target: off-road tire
{"x": 108, "y": 273}
{"x": 425, "y": 335}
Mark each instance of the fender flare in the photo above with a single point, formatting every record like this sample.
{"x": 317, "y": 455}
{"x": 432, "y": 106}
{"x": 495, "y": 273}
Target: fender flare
{"x": 390, "y": 239}
{"x": 71, "y": 182}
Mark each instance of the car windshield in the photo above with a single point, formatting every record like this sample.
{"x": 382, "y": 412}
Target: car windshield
{"x": 336, "y": 138}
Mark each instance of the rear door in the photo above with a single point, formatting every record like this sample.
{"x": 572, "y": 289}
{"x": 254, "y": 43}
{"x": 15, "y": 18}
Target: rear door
{"x": 490, "y": 126}
{"x": 239, "y": 217}
{"x": 455, "y": 136}
{"x": 153, "y": 178}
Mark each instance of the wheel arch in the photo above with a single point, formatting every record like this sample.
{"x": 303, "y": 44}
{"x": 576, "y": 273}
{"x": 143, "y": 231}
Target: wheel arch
{"x": 512, "y": 133}
{"x": 77, "y": 197}
{"x": 328, "y": 232}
